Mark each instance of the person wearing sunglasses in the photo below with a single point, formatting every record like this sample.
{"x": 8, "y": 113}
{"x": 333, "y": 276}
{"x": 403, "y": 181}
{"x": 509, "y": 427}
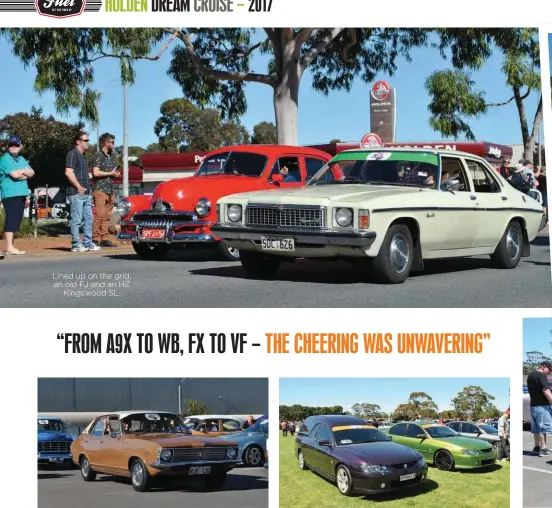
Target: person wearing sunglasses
{"x": 78, "y": 192}
{"x": 14, "y": 173}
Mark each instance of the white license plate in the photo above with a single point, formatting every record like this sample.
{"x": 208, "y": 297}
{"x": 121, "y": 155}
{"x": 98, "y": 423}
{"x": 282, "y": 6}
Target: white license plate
{"x": 55, "y": 459}
{"x": 277, "y": 244}
{"x": 200, "y": 470}
{"x": 408, "y": 477}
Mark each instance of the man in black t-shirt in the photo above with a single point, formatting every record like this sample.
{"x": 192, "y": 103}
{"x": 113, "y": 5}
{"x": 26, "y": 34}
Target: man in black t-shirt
{"x": 541, "y": 407}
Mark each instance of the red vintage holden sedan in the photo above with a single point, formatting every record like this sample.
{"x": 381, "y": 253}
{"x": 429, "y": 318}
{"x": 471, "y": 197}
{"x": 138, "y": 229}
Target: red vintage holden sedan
{"x": 183, "y": 210}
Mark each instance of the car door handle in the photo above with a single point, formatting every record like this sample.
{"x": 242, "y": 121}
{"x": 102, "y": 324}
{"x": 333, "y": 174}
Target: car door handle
{"x": 473, "y": 198}
{"x": 101, "y": 442}
{"x": 430, "y": 215}
{"x": 504, "y": 198}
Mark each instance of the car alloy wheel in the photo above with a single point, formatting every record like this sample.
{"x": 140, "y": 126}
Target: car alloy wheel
{"x": 85, "y": 467}
{"x": 343, "y": 480}
{"x": 137, "y": 474}
{"x": 444, "y": 460}
{"x": 512, "y": 243}
{"x": 301, "y": 460}
{"x": 399, "y": 253}
{"x": 254, "y": 456}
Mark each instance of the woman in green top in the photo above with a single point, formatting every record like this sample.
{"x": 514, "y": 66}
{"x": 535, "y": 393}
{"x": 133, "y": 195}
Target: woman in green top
{"x": 14, "y": 173}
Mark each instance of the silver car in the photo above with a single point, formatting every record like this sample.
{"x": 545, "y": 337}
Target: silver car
{"x": 479, "y": 431}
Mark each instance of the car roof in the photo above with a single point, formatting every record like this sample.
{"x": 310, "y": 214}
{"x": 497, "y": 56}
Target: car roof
{"x": 57, "y": 418}
{"x": 124, "y": 414}
{"x": 271, "y": 150}
{"x": 335, "y": 420}
{"x": 208, "y": 417}
{"x": 440, "y": 151}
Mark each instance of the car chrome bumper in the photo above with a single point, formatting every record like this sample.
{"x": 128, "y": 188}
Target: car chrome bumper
{"x": 311, "y": 237}
{"x": 165, "y": 465}
{"x": 170, "y": 238}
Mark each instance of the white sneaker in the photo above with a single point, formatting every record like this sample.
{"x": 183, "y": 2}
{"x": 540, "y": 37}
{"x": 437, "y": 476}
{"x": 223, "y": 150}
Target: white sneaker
{"x": 79, "y": 248}
{"x": 93, "y": 247}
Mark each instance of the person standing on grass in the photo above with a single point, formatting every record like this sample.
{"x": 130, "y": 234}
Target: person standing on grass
{"x": 104, "y": 169}
{"x": 14, "y": 173}
{"x": 78, "y": 192}
{"x": 541, "y": 407}
{"x": 504, "y": 433}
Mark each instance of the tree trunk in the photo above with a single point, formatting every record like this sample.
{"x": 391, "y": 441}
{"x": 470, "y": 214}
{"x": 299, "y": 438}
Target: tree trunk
{"x": 529, "y": 139}
{"x": 286, "y": 98}
{"x": 529, "y": 148}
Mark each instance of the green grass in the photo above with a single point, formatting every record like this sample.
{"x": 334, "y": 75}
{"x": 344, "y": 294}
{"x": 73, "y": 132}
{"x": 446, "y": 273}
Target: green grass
{"x": 479, "y": 489}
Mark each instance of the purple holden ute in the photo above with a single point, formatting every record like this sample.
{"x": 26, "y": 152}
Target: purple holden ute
{"x": 356, "y": 456}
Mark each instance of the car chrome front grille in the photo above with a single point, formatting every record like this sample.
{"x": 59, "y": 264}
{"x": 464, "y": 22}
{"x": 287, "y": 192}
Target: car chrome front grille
{"x": 199, "y": 454}
{"x": 156, "y": 224}
{"x": 54, "y": 447}
{"x": 285, "y": 216}
{"x": 163, "y": 216}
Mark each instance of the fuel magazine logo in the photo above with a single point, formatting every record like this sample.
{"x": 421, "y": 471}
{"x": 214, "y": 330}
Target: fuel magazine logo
{"x": 51, "y": 8}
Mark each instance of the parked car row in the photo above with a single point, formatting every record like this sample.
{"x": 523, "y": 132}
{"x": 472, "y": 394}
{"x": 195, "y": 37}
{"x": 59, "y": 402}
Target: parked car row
{"x": 360, "y": 458}
{"x": 388, "y": 209}
{"x": 145, "y": 445}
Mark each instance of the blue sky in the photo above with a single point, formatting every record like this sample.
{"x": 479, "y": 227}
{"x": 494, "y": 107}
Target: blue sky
{"x": 537, "y": 335}
{"x": 343, "y": 115}
{"x": 387, "y": 393}
{"x": 549, "y": 52}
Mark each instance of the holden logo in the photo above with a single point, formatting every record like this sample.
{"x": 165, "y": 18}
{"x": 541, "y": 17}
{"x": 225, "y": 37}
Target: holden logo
{"x": 60, "y": 8}
{"x": 200, "y": 455}
{"x": 280, "y": 208}
{"x": 405, "y": 465}
{"x": 159, "y": 206}
{"x": 381, "y": 90}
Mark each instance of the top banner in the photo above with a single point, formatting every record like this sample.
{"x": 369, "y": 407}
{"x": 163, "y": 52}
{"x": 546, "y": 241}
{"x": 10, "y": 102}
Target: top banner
{"x": 238, "y": 13}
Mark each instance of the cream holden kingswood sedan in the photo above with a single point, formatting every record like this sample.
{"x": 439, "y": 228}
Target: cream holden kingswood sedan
{"x": 393, "y": 207}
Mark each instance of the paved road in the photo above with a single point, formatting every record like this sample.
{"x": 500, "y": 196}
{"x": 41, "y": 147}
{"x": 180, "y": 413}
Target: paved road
{"x": 196, "y": 279}
{"x": 536, "y": 476}
{"x": 59, "y": 488}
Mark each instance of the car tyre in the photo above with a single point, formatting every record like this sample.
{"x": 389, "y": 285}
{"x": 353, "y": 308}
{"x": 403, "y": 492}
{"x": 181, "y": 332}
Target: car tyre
{"x": 87, "y": 473}
{"x": 139, "y": 476}
{"x": 253, "y": 456}
{"x": 227, "y": 253}
{"x": 497, "y": 447}
{"x": 444, "y": 460}
{"x": 259, "y": 265}
{"x": 302, "y": 461}
{"x": 151, "y": 251}
{"x": 343, "y": 481}
{"x": 508, "y": 251}
{"x": 215, "y": 481}
{"x": 394, "y": 261}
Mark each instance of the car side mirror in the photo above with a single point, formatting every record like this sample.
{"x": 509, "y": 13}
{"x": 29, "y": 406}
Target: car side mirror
{"x": 324, "y": 442}
{"x": 277, "y": 178}
{"x": 451, "y": 185}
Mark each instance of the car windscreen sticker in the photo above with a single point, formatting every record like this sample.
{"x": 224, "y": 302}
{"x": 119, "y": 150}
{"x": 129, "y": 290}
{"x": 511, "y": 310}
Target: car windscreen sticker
{"x": 153, "y": 417}
{"x": 349, "y": 427}
{"x": 346, "y": 441}
{"x": 422, "y": 173}
{"x": 427, "y": 425}
{"x": 379, "y": 156}
{"x": 43, "y": 422}
{"x": 402, "y": 156}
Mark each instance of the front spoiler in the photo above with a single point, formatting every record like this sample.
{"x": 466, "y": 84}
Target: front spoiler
{"x": 313, "y": 237}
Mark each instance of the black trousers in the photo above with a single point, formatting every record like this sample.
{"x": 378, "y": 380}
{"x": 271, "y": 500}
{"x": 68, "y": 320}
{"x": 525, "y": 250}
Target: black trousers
{"x": 14, "y": 208}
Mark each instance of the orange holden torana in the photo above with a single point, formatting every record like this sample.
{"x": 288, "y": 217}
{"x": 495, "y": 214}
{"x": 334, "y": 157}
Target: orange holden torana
{"x": 143, "y": 445}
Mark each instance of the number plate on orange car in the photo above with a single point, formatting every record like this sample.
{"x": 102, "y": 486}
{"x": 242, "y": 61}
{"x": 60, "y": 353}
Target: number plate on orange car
{"x": 153, "y": 233}
{"x": 408, "y": 477}
{"x": 200, "y": 470}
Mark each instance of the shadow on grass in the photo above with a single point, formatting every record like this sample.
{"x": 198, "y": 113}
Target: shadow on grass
{"x": 479, "y": 470}
{"x": 404, "y": 493}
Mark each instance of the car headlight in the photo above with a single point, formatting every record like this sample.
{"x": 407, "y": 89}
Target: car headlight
{"x": 421, "y": 463}
{"x": 166, "y": 455}
{"x": 471, "y": 452}
{"x": 234, "y": 213}
{"x": 123, "y": 207}
{"x": 344, "y": 217}
{"x": 231, "y": 453}
{"x": 372, "y": 468}
{"x": 203, "y": 207}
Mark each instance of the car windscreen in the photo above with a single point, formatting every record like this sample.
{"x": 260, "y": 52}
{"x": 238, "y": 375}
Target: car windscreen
{"x": 441, "y": 431}
{"x": 488, "y": 429}
{"x": 419, "y": 169}
{"x": 351, "y": 436}
{"x": 233, "y": 163}
{"x": 154, "y": 423}
{"x": 50, "y": 425}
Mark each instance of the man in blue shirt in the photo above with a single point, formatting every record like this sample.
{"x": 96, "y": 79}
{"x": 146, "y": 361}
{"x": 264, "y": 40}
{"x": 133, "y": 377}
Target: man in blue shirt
{"x": 14, "y": 173}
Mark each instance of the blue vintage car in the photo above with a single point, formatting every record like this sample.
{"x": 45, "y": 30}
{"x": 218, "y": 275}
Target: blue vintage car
{"x": 252, "y": 442}
{"x": 54, "y": 441}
